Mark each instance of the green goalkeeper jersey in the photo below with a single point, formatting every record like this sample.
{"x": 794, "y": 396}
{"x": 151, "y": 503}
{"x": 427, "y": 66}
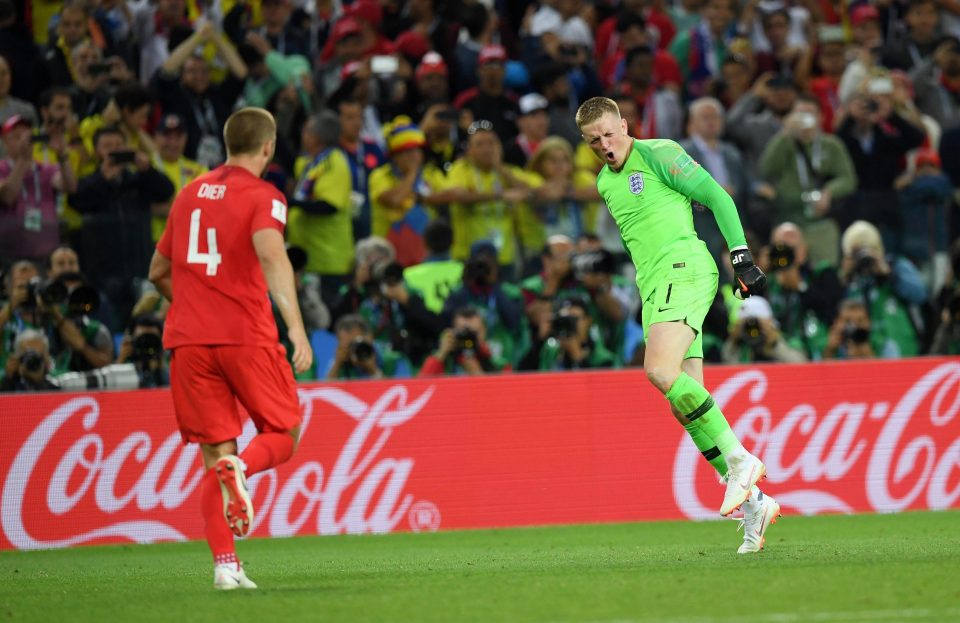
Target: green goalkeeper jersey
{"x": 650, "y": 200}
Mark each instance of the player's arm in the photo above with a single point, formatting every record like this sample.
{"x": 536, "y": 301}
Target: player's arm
{"x": 272, "y": 254}
{"x": 160, "y": 274}
{"x": 682, "y": 173}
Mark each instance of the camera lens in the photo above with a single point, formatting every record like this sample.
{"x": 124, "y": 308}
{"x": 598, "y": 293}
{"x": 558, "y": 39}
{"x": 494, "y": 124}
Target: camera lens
{"x": 32, "y": 361}
{"x": 361, "y": 349}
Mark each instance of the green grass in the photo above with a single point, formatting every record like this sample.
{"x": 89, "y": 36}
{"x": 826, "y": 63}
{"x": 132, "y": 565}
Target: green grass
{"x": 842, "y": 568}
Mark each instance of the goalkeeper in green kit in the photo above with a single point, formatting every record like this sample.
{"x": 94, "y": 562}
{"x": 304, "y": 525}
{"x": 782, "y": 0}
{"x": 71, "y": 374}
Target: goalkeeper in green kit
{"x": 648, "y": 186}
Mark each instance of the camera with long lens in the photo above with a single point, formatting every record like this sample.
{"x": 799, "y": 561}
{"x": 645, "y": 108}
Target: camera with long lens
{"x": 565, "y": 325}
{"x": 592, "y": 263}
{"x": 83, "y": 301}
{"x": 361, "y": 349}
{"x": 855, "y": 334}
{"x": 32, "y": 361}
{"x": 114, "y": 376}
{"x": 753, "y": 335}
{"x": 781, "y": 256}
{"x": 464, "y": 342}
{"x": 386, "y": 273}
{"x": 49, "y": 292}
{"x": 147, "y": 347}
{"x": 864, "y": 264}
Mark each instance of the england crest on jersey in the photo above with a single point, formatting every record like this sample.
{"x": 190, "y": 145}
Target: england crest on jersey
{"x": 636, "y": 182}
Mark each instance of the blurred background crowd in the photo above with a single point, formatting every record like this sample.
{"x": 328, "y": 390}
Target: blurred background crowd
{"x": 443, "y": 215}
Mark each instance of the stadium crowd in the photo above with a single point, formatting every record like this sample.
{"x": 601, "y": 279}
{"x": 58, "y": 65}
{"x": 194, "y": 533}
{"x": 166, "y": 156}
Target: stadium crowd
{"x": 443, "y": 212}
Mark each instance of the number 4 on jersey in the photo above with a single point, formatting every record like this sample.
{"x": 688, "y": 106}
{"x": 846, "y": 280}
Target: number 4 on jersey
{"x": 211, "y": 258}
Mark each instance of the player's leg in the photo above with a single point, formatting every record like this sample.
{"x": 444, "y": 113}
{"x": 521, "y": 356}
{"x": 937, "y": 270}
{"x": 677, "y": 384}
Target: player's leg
{"x": 264, "y": 384}
{"x": 693, "y": 367}
{"x": 206, "y": 411}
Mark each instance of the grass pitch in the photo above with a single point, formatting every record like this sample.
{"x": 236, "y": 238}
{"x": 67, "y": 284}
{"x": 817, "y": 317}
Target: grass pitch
{"x": 841, "y": 568}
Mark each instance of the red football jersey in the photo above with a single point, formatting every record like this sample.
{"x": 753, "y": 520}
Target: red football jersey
{"x": 220, "y": 295}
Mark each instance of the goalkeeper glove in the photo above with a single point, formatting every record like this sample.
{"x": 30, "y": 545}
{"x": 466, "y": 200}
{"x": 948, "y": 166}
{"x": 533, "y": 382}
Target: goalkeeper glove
{"x": 750, "y": 279}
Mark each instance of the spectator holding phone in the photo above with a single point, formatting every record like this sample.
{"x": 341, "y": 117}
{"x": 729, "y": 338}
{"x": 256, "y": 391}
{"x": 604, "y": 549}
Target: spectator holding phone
{"x": 115, "y": 201}
{"x": 29, "y": 226}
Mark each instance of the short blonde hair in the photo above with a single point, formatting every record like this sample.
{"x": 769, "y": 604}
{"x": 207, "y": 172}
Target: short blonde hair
{"x": 248, "y": 130}
{"x": 594, "y": 108}
{"x": 861, "y": 235}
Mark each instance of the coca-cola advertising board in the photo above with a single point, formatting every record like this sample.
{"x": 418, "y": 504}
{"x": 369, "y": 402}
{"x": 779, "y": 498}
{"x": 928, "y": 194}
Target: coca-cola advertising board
{"x": 511, "y": 450}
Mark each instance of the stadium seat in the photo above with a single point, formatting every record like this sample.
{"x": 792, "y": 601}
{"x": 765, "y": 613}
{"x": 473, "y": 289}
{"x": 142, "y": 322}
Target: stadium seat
{"x": 324, "y": 344}
{"x": 633, "y": 335}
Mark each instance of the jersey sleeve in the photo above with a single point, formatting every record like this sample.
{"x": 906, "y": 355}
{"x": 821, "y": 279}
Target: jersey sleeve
{"x": 269, "y": 210}
{"x": 678, "y": 170}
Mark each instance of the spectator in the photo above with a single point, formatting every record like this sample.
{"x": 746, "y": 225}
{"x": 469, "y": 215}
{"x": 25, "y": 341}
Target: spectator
{"x": 755, "y": 337}
{"x": 500, "y": 303}
{"x": 63, "y": 265}
{"x": 811, "y": 172}
{"x": 438, "y": 275}
{"x": 171, "y": 141}
{"x": 464, "y": 349}
{"x": 72, "y": 30}
{"x": 76, "y": 342}
{"x": 269, "y": 72}
{"x": 29, "y": 226}
{"x": 802, "y": 294}
{"x": 480, "y": 24}
{"x": 489, "y": 99}
{"x": 278, "y": 31}
{"x": 851, "y": 335}
{"x": 533, "y": 124}
{"x": 483, "y": 195}
{"x": 400, "y": 321}
{"x": 887, "y": 285}
{"x": 865, "y": 27}
{"x": 568, "y": 344}
{"x": 758, "y": 116}
{"x": 89, "y": 91}
{"x": 143, "y": 347}
{"x": 184, "y": 87}
{"x": 925, "y": 204}
{"x": 781, "y": 55}
{"x": 58, "y": 123}
{"x": 432, "y": 82}
{"x": 154, "y": 28}
{"x": 357, "y": 356}
{"x": 348, "y": 47}
{"x": 736, "y": 78}
{"x": 319, "y": 218}
{"x": 403, "y": 192}
{"x": 116, "y": 202}
{"x": 18, "y": 47}
{"x": 702, "y": 50}
{"x": 9, "y": 105}
{"x": 660, "y": 115}
{"x": 722, "y": 160}
{"x": 425, "y": 16}
{"x": 129, "y": 112}
{"x": 631, "y": 30}
{"x": 28, "y": 366}
{"x": 439, "y": 129}
{"x": 937, "y": 82}
{"x": 946, "y": 340}
{"x": 553, "y": 82}
{"x": 877, "y": 139}
{"x": 831, "y": 60}
{"x": 923, "y": 20}
{"x": 567, "y": 202}
{"x": 363, "y": 155}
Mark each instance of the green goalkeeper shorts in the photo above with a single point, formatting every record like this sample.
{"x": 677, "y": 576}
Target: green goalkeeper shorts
{"x": 682, "y": 295}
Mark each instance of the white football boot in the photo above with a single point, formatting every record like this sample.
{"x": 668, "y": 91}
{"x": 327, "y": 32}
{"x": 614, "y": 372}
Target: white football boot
{"x": 744, "y": 471}
{"x": 237, "y": 506}
{"x": 229, "y": 576}
{"x": 759, "y": 515}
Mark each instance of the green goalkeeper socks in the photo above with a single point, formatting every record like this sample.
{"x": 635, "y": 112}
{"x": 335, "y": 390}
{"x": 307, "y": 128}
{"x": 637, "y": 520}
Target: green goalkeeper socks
{"x": 694, "y": 401}
{"x": 707, "y": 448}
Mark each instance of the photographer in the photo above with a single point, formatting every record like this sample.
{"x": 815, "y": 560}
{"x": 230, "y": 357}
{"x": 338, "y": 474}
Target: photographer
{"x": 464, "y": 349}
{"x": 397, "y": 315}
{"x": 76, "y": 342}
{"x": 28, "y": 365}
{"x": 569, "y": 345}
{"x": 809, "y": 171}
{"x": 499, "y": 303}
{"x": 357, "y": 356}
{"x": 116, "y": 201}
{"x": 143, "y": 347}
{"x": 946, "y": 340}
{"x": 756, "y": 338}
{"x": 851, "y": 336}
{"x": 803, "y": 295}
{"x": 587, "y": 276}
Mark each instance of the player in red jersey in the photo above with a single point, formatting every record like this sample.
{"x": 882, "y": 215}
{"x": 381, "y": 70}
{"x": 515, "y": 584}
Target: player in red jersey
{"x": 220, "y": 255}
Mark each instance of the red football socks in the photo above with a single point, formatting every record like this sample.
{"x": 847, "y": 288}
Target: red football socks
{"x": 267, "y": 450}
{"x": 218, "y": 534}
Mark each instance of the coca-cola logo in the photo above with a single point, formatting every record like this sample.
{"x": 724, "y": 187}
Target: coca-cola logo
{"x": 913, "y": 456}
{"x": 360, "y": 491}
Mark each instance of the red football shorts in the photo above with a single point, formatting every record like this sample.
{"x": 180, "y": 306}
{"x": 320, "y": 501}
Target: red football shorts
{"x": 208, "y": 381}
